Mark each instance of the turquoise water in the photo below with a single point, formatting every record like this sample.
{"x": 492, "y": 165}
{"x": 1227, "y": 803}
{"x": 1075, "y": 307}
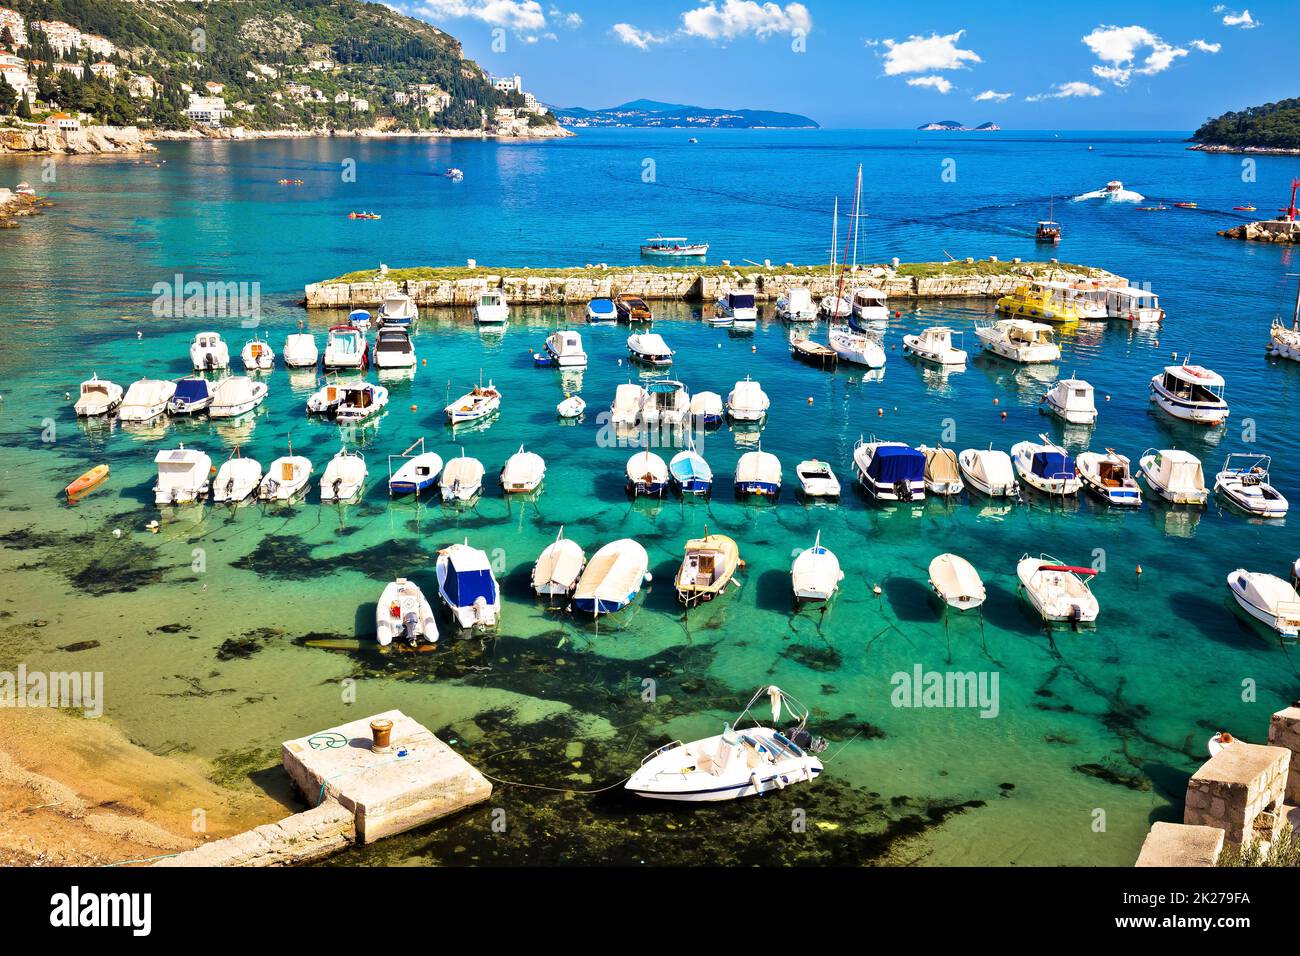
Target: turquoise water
{"x": 203, "y": 628}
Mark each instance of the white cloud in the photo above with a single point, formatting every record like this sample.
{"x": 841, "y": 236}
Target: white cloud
{"x": 934, "y": 82}
{"x": 1243, "y": 19}
{"x": 1066, "y": 91}
{"x": 1207, "y": 47}
{"x": 993, "y": 95}
{"x": 918, "y": 54}
{"x": 739, "y": 18}
{"x": 522, "y": 16}
{"x": 641, "y": 39}
{"x": 1119, "y": 48}
{"x": 570, "y": 21}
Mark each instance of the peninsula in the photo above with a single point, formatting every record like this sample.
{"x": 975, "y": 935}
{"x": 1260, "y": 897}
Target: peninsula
{"x": 652, "y": 114}
{"x": 1270, "y": 128}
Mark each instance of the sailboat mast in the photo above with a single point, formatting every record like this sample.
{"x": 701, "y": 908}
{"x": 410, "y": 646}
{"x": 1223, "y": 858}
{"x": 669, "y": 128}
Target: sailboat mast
{"x": 1296, "y": 316}
{"x": 857, "y": 211}
{"x": 835, "y": 233}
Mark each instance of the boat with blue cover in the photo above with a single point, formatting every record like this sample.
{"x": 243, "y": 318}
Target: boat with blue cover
{"x": 890, "y": 470}
{"x": 468, "y": 587}
{"x": 690, "y": 472}
{"x": 192, "y": 395}
{"x": 1046, "y": 466}
{"x": 601, "y": 310}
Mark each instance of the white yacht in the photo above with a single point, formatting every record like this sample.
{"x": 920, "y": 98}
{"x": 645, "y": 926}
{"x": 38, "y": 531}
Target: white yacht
{"x": 934, "y": 344}
{"x": 404, "y": 613}
{"x": 835, "y": 307}
{"x": 989, "y": 472}
{"x": 183, "y": 475}
{"x": 393, "y": 348}
{"x": 98, "y": 397}
{"x": 815, "y": 574}
{"x": 1046, "y": 466}
{"x": 192, "y": 396}
{"x": 491, "y": 308}
{"x": 344, "y": 476}
{"x": 666, "y": 405}
{"x": 257, "y": 356}
{"x": 1059, "y": 592}
{"x": 145, "y": 400}
{"x": 1192, "y": 393}
{"x": 859, "y": 348}
{"x": 869, "y": 307}
{"x": 1244, "y": 481}
{"x": 817, "y": 479}
{"x": 1267, "y": 598}
{"x": 1175, "y": 475}
{"x": 237, "y": 479}
{"x": 1019, "y": 340}
{"x": 523, "y": 473}
{"x": 1109, "y": 477}
{"x": 1071, "y": 400}
{"x": 747, "y": 402}
{"x": 208, "y": 353}
{"x": 625, "y": 410}
{"x": 796, "y": 306}
{"x": 737, "y": 306}
{"x": 236, "y": 395}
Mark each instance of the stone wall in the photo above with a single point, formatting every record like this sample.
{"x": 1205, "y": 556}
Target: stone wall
{"x": 1284, "y": 731}
{"x": 1240, "y": 790}
{"x": 301, "y": 838}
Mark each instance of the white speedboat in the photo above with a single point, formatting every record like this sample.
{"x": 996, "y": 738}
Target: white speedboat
{"x": 817, "y": 479}
{"x": 796, "y": 306}
{"x": 573, "y": 406}
{"x": 1019, "y": 340}
{"x": 956, "y": 582}
{"x": 666, "y": 405}
{"x": 98, "y": 397}
{"x": 468, "y": 587}
{"x": 706, "y": 410}
{"x": 1175, "y": 475}
{"x": 416, "y": 473}
{"x": 208, "y": 353}
{"x": 868, "y": 308}
{"x": 1071, "y": 400}
{"x": 326, "y": 399}
{"x": 558, "y": 567}
{"x": 989, "y": 472}
{"x": 1244, "y": 481}
{"x": 300, "y": 350}
{"x": 942, "y": 473}
{"x": 1267, "y": 598}
{"x": 889, "y": 470}
{"x": 288, "y": 477}
{"x": 361, "y": 402}
{"x": 649, "y": 348}
{"x": 601, "y": 310}
{"x": 646, "y": 474}
{"x": 858, "y": 348}
{"x": 236, "y": 395}
{"x": 736, "y": 762}
{"x": 478, "y": 403}
{"x": 1191, "y": 393}
{"x": 758, "y": 473}
{"x": 815, "y": 574}
{"x": 625, "y": 410}
{"x": 565, "y": 349}
{"x": 935, "y": 345}
{"x": 1046, "y": 466}
{"x": 835, "y": 307}
{"x": 183, "y": 475}
{"x": 345, "y": 347}
{"x": 145, "y": 400}
{"x": 344, "y": 476}
{"x": 398, "y": 308}
{"x": 257, "y": 356}
{"x": 523, "y": 472}
{"x": 491, "y": 308}
{"x": 462, "y": 478}
{"x": 1109, "y": 477}
{"x": 747, "y": 402}
{"x": 393, "y": 348}
{"x": 1059, "y": 592}
{"x": 403, "y": 613}
{"x": 192, "y": 395}
{"x": 612, "y": 578}
{"x": 237, "y": 479}
{"x": 739, "y": 307}
{"x": 673, "y": 247}
{"x": 690, "y": 472}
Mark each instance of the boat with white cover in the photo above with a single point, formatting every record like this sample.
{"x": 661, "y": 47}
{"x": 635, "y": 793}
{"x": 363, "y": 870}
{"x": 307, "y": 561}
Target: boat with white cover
{"x": 1175, "y": 475}
{"x": 416, "y": 473}
{"x": 989, "y": 472}
{"x": 666, "y": 405}
{"x": 1267, "y": 598}
{"x": 192, "y": 395}
{"x": 403, "y": 613}
{"x": 690, "y": 472}
{"x": 491, "y": 308}
{"x": 1019, "y": 340}
{"x": 735, "y": 763}
{"x": 817, "y": 479}
{"x": 858, "y": 348}
{"x": 398, "y": 308}
{"x": 98, "y": 396}
{"x": 1071, "y": 400}
{"x": 257, "y": 356}
{"x": 393, "y": 348}
{"x": 1046, "y": 466}
{"x": 558, "y": 567}
{"x": 889, "y": 470}
{"x": 1192, "y": 393}
{"x": 288, "y": 477}
{"x": 468, "y": 587}
{"x": 706, "y": 409}
{"x": 747, "y": 401}
{"x": 345, "y": 347}
{"x": 208, "y": 353}
{"x": 934, "y": 344}
{"x": 565, "y": 349}
{"x": 1059, "y": 592}
{"x": 1244, "y": 481}
{"x": 835, "y": 307}
{"x": 236, "y": 395}
{"x": 183, "y": 475}
{"x": 344, "y": 476}
{"x": 646, "y": 474}
{"x": 649, "y": 348}
{"x": 612, "y": 578}
{"x": 708, "y": 566}
{"x": 361, "y": 402}
{"x": 523, "y": 472}
{"x": 815, "y": 574}
{"x": 145, "y": 400}
{"x": 1109, "y": 477}
{"x": 573, "y": 406}
{"x": 462, "y": 478}
{"x": 300, "y": 350}
{"x": 956, "y": 582}
{"x": 758, "y": 473}
{"x": 237, "y": 479}
{"x": 796, "y": 306}
{"x": 478, "y": 403}
{"x": 625, "y": 410}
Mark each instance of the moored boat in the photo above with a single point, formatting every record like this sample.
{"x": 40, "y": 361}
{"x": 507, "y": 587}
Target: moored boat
{"x": 1192, "y": 393}
{"x": 1059, "y": 592}
{"x": 1019, "y": 340}
{"x": 393, "y": 348}
{"x": 257, "y": 356}
{"x": 236, "y": 395}
{"x": 403, "y": 613}
{"x": 942, "y": 473}
{"x": 344, "y": 477}
{"x": 815, "y": 574}
{"x": 737, "y": 306}
{"x": 889, "y": 470}
{"x": 989, "y": 472}
{"x": 956, "y": 582}
{"x": 796, "y": 306}
{"x": 1244, "y": 481}
{"x": 601, "y": 310}
{"x": 708, "y": 566}
{"x": 98, "y": 397}
{"x": 817, "y": 479}
{"x": 646, "y": 474}
{"x": 612, "y": 578}
{"x": 145, "y": 400}
{"x": 192, "y": 395}
{"x": 868, "y": 308}
{"x": 814, "y": 353}
{"x": 571, "y": 407}
{"x": 1175, "y": 475}
{"x": 468, "y": 587}
{"x": 1046, "y": 466}
{"x": 345, "y": 347}
{"x": 491, "y": 308}
{"x": 934, "y": 344}
{"x": 1071, "y": 400}
{"x": 625, "y": 410}
{"x": 758, "y": 473}
{"x": 523, "y": 473}
{"x": 461, "y": 479}
{"x": 1109, "y": 477}
{"x": 416, "y": 473}
{"x": 398, "y": 308}
{"x": 859, "y": 348}
{"x": 478, "y": 403}
{"x": 649, "y": 348}
{"x": 747, "y": 401}
{"x": 1034, "y": 300}
{"x": 237, "y": 479}
{"x": 558, "y": 567}
{"x": 208, "y": 353}
{"x": 631, "y": 308}
{"x": 689, "y": 472}
{"x": 706, "y": 410}
{"x": 288, "y": 477}
{"x": 183, "y": 475}
{"x": 362, "y": 401}
{"x": 565, "y": 349}
{"x": 1267, "y": 598}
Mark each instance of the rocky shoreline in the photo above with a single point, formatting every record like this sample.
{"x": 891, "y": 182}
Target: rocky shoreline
{"x": 15, "y": 206}
{"x": 1257, "y": 150}
{"x": 1267, "y": 230}
{"x": 87, "y": 141}
{"x": 244, "y": 133}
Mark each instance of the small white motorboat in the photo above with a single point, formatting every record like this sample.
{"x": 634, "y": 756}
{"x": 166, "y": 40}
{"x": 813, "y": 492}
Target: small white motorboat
{"x": 956, "y": 582}
{"x": 835, "y": 307}
{"x": 403, "y": 613}
{"x": 817, "y": 479}
{"x": 1244, "y": 481}
{"x": 1019, "y": 340}
{"x": 491, "y": 308}
{"x": 359, "y": 318}
{"x": 601, "y": 310}
{"x": 362, "y": 401}
{"x": 1071, "y": 400}
{"x": 736, "y": 762}
{"x": 747, "y": 402}
{"x": 758, "y": 473}
{"x": 236, "y": 395}
{"x": 1046, "y": 466}
{"x": 1175, "y": 475}
{"x": 708, "y": 566}
{"x": 573, "y": 406}
{"x": 739, "y": 307}
{"x": 625, "y": 410}
{"x": 478, "y": 403}
{"x": 889, "y": 470}
{"x": 1059, "y": 592}
{"x": 326, "y": 399}
{"x": 398, "y": 308}
{"x": 935, "y": 345}
{"x": 565, "y": 349}
{"x": 344, "y": 476}
{"x": 468, "y": 587}
{"x": 98, "y": 397}
{"x": 649, "y": 348}
{"x": 1109, "y": 477}
{"x": 796, "y": 306}
{"x": 690, "y": 472}
{"x": 558, "y": 567}
{"x": 815, "y": 574}
{"x": 192, "y": 395}
{"x": 145, "y": 400}
{"x": 237, "y": 479}
{"x": 183, "y": 475}
{"x": 646, "y": 474}
{"x": 673, "y": 247}
{"x": 393, "y": 348}
{"x": 288, "y": 477}
{"x": 1191, "y": 393}
{"x": 868, "y": 307}
{"x": 666, "y": 405}
{"x": 523, "y": 472}
{"x": 300, "y": 350}
{"x": 208, "y": 353}
{"x": 857, "y": 348}
{"x": 416, "y": 473}
{"x": 345, "y": 347}
{"x": 942, "y": 473}
{"x": 612, "y": 578}
{"x": 1267, "y": 598}
{"x": 989, "y": 472}
{"x": 257, "y": 356}
{"x": 461, "y": 479}
{"x": 706, "y": 410}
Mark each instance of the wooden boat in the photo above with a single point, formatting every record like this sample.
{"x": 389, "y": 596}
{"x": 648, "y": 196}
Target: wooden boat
{"x": 87, "y": 482}
{"x": 707, "y": 568}
{"x": 479, "y": 402}
{"x": 814, "y": 353}
{"x": 630, "y": 308}
{"x": 1109, "y": 477}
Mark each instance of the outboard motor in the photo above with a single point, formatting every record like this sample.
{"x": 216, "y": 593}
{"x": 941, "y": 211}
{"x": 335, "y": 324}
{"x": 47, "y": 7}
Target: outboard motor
{"x": 411, "y": 627}
{"x": 806, "y": 740}
{"x": 903, "y": 490}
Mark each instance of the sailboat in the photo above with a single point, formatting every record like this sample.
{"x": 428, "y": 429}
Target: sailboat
{"x": 849, "y": 344}
{"x": 834, "y": 306}
{"x": 1049, "y": 230}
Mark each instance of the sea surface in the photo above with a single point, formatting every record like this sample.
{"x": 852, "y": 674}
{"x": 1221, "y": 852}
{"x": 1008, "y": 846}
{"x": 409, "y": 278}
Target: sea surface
{"x": 227, "y": 631}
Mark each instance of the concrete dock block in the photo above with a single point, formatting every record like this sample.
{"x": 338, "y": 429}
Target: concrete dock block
{"x": 1178, "y": 844}
{"x": 1240, "y": 790}
{"x": 1284, "y": 731}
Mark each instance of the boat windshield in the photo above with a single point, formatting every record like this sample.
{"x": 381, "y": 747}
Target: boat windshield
{"x": 1192, "y": 391}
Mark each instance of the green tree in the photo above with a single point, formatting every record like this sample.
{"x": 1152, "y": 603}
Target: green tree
{"x": 8, "y": 96}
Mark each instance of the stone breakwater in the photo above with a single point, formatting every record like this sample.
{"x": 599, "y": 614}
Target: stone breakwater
{"x": 86, "y": 141}
{"x": 1267, "y": 230}
{"x": 578, "y": 286}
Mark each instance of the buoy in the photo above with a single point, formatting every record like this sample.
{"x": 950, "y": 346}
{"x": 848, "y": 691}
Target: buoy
{"x": 1108, "y": 398}
{"x": 424, "y": 361}
{"x": 1004, "y": 416}
{"x": 139, "y": 334}
{"x": 753, "y": 348}
{"x": 414, "y": 407}
{"x": 67, "y": 396}
{"x": 117, "y": 532}
{"x": 995, "y": 401}
{"x": 719, "y": 346}
{"x": 897, "y": 314}
{"x": 880, "y": 413}
{"x": 810, "y": 399}
{"x": 875, "y": 589}
{"x": 1174, "y": 356}
{"x": 1139, "y": 570}
{"x": 648, "y": 576}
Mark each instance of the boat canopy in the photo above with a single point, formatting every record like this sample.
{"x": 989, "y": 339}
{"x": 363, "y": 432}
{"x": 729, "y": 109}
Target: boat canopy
{"x": 469, "y": 578}
{"x": 941, "y": 465}
{"x": 1052, "y": 464}
{"x": 871, "y": 295}
{"x": 190, "y": 389}
{"x": 892, "y": 463}
{"x": 759, "y": 466}
{"x": 650, "y": 343}
{"x": 601, "y": 306}
{"x": 689, "y": 465}
{"x": 748, "y": 394}
{"x": 740, "y": 300}
{"x": 1179, "y": 470}
{"x": 1196, "y": 375}
{"x": 659, "y": 240}
{"x": 234, "y": 390}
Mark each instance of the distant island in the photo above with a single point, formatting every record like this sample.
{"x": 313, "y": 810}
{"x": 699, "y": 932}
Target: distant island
{"x": 649, "y": 113}
{"x": 952, "y": 126}
{"x": 1273, "y": 127}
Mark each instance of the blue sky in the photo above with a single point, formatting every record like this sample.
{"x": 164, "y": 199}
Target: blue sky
{"x": 1089, "y": 65}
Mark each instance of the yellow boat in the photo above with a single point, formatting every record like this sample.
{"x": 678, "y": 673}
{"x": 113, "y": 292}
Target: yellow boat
{"x": 709, "y": 565}
{"x": 1034, "y": 301}
{"x": 86, "y": 482}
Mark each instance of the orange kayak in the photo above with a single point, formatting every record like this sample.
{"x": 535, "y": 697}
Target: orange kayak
{"x": 86, "y": 482}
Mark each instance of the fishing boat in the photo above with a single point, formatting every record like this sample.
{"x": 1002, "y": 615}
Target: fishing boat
{"x": 288, "y": 477}
{"x": 183, "y": 475}
{"x": 1184, "y": 205}
{"x": 236, "y": 395}
{"x": 601, "y": 310}
{"x": 817, "y": 479}
{"x": 758, "y": 473}
{"x": 707, "y": 567}
{"x": 1138, "y": 306}
{"x": 98, "y": 397}
{"x": 815, "y": 574}
{"x": 889, "y": 470}
{"x": 942, "y": 473}
{"x": 859, "y": 348}
{"x": 393, "y": 348}
{"x": 673, "y": 246}
{"x": 735, "y": 763}
{"x": 631, "y": 308}
{"x": 814, "y": 353}
{"x": 523, "y": 472}
{"x": 868, "y": 308}
{"x": 403, "y": 613}
{"x": 208, "y": 353}
{"x": 689, "y": 472}
{"x": 1019, "y": 340}
{"x": 646, "y": 474}
{"x": 491, "y": 308}
{"x": 558, "y": 567}
{"x": 257, "y": 356}
{"x": 1244, "y": 481}
{"x": 649, "y": 348}
{"x": 989, "y": 472}
{"x": 344, "y": 476}
{"x": 361, "y": 402}
{"x": 398, "y": 308}
{"x": 666, "y": 405}
{"x": 468, "y": 587}
{"x": 1267, "y": 598}
{"x": 573, "y": 406}
{"x": 325, "y": 400}
{"x": 1191, "y": 393}
{"x": 300, "y": 350}
{"x": 1049, "y": 230}
{"x": 747, "y": 402}
{"x": 612, "y": 578}
{"x": 565, "y": 349}
{"x": 935, "y": 345}
{"x": 1059, "y": 592}
{"x": 1046, "y": 466}
{"x": 625, "y": 410}
{"x": 145, "y": 400}
{"x": 1071, "y": 400}
{"x": 706, "y": 409}
{"x": 1033, "y": 300}
{"x": 462, "y": 478}
{"x": 956, "y": 582}
{"x": 796, "y": 306}
{"x": 1109, "y": 477}
{"x": 345, "y": 347}
{"x": 1175, "y": 475}
{"x": 1246, "y": 208}
{"x": 87, "y": 482}
{"x": 416, "y": 473}
{"x": 478, "y": 403}
{"x": 237, "y": 479}
{"x": 192, "y": 395}
{"x": 737, "y": 306}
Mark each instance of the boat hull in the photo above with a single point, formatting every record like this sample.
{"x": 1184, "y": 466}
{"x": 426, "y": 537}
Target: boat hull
{"x": 1198, "y": 413}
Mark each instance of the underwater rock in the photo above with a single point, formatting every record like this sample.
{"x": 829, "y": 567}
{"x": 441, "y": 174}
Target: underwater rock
{"x": 1110, "y": 775}
{"x": 80, "y": 646}
{"x": 816, "y": 658}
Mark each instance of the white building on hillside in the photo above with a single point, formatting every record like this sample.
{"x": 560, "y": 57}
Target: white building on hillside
{"x": 17, "y": 28}
{"x": 207, "y": 110}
